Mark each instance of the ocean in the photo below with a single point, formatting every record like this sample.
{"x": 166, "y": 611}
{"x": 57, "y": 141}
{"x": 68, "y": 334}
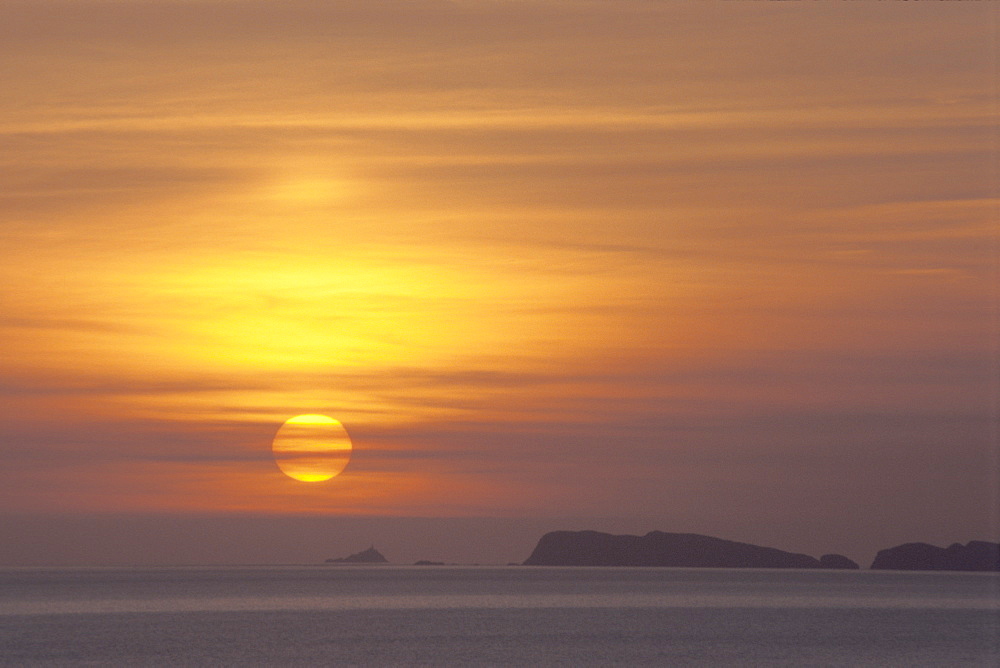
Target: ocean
{"x": 502, "y": 616}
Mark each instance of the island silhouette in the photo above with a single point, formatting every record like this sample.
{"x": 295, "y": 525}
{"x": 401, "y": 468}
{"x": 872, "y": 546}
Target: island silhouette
{"x": 976, "y": 555}
{"x": 657, "y": 548}
{"x": 689, "y": 550}
{"x": 369, "y": 556}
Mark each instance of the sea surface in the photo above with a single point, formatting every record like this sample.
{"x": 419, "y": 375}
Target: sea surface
{"x": 504, "y": 616}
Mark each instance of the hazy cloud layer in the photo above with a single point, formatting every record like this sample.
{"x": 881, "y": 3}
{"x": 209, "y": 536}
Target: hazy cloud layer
{"x": 717, "y": 267}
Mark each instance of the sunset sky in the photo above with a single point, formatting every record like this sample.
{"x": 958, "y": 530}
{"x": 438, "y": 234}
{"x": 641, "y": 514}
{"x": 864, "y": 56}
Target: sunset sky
{"x": 726, "y": 268}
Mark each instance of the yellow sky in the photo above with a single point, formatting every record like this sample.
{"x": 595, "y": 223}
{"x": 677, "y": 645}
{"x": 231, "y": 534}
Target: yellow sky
{"x": 541, "y": 258}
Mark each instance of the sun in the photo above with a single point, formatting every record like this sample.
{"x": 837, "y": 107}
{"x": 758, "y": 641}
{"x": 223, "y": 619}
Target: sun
{"x": 311, "y": 448}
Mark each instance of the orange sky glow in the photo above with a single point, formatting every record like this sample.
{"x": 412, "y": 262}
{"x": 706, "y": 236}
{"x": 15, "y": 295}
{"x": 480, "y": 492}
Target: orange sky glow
{"x": 728, "y": 268}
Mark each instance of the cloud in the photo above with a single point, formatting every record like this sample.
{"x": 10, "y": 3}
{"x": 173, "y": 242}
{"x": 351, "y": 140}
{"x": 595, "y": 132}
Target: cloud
{"x": 718, "y": 268}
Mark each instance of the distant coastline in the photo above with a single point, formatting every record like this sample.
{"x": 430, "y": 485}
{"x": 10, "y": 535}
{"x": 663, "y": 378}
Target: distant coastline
{"x": 688, "y": 550}
{"x": 976, "y": 555}
{"x": 369, "y": 556}
{"x": 657, "y": 548}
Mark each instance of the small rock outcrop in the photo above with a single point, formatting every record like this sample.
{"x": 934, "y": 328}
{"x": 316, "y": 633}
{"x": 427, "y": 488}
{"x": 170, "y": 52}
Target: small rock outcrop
{"x": 838, "y": 561}
{"x": 369, "y": 556}
{"x": 976, "y": 555}
{"x": 593, "y": 548}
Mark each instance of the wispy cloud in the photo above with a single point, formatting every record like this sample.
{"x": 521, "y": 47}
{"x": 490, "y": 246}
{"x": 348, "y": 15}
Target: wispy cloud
{"x": 725, "y": 266}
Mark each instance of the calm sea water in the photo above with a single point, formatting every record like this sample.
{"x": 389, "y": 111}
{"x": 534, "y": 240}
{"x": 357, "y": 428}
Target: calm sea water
{"x": 513, "y": 616}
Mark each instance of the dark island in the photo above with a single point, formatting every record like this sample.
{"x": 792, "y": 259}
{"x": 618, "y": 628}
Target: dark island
{"x": 656, "y": 548}
{"x": 369, "y": 556}
{"x": 976, "y": 555}
{"x": 838, "y": 561}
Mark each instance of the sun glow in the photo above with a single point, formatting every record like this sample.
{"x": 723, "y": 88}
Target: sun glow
{"x": 307, "y": 190}
{"x": 311, "y": 448}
